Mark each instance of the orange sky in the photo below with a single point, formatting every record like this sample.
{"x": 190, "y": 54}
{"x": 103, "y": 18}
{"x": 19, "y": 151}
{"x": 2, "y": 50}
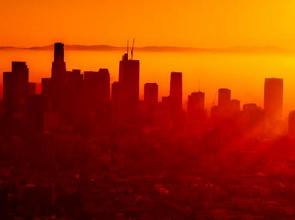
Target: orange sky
{"x": 201, "y": 23}
{"x": 195, "y": 23}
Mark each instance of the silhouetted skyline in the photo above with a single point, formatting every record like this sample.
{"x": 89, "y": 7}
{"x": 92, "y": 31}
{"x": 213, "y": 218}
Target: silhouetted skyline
{"x": 70, "y": 98}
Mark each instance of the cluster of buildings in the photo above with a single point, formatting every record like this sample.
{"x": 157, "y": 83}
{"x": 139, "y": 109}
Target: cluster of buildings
{"x": 75, "y": 101}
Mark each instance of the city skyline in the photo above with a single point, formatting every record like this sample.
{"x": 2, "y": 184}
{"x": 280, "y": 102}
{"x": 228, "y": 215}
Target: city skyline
{"x": 140, "y": 92}
{"x": 120, "y": 100}
{"x": 147, "y": 110}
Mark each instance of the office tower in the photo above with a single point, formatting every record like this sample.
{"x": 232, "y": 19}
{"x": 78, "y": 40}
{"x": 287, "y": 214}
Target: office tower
{"x": 273, "y": 98}
{"x": 97, "y": 86}
{"x": 150, "y": 95}
{"x": 196, "y": 106}
{"x": 16, "y": 90}
{"x": 129, "y": 89}
{"x": 224, "y": 97}
{"x": 176, "y": 91}
{"x": 58, "y": 65}
{"x": 223, "y": 110}
{"x": 72, "y": 93}
{"x": 58, "y": 80}
{"x": 291, "y": 124}
{"x": 97, "y": 94}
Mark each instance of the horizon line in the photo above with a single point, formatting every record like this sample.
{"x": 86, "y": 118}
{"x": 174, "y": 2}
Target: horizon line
{"x": 153, "y": 48}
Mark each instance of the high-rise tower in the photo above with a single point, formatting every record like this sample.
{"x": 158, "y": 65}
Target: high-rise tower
{"x": 273, "y": 98}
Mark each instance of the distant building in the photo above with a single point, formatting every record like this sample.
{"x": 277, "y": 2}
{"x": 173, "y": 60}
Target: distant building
{"x": 196, "y": 106}
{"x": 176, "y": 91}
{"x": 225, "y": 107}
{"x": 129, "y": 89}
{"x": 97, "y": 95}
{"x": 224, "y": 97}
{"x": 151, "y": 95}
{"x": 273, "y": 98}
{"x": 58, "y": 65}
{"x": 16, "y": 90}
{"x": 97, "y": 87}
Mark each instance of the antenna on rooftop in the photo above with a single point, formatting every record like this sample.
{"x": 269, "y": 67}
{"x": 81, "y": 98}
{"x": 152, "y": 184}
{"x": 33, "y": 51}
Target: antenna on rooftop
{"x": 132, "y": 49}
{"x": 127, "y": 48}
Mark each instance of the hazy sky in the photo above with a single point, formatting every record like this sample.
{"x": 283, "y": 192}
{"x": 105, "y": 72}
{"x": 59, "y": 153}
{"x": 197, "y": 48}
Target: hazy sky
{"x": 201, "y": 23}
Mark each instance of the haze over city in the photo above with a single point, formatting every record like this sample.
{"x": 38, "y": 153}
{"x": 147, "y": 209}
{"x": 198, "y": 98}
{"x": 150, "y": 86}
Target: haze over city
{"x": 130, "y": 110}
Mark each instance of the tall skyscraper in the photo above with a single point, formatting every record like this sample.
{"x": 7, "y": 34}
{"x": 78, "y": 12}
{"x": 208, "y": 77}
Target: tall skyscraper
{"x": 97, "y": 94}
{"x": 16, "y": 90}
{"x": 176, "y": 91}
{"x": 129, "y": 89}
{"x": 196, "y": 106}
{"x": 58, "y": 81}
{"x": 224, "y": 97}
{"x": 97, "y": 86}
{"x": 273, "y": 98}
{"x": 58, "y": 65}
{"x": 224, "y": 108}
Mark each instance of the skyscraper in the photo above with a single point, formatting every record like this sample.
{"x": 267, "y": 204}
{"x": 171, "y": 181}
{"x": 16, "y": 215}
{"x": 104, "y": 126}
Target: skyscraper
{"x": 224, "y": 97}
{"x": 196, "y": 105}
{"x": 57, "y": 83}
{"x": 176, "y": 91}
{"x": 58, "y": 65}
{"x": 16, "y": 90}
{"x": 129, "y": 89}
{"x": 97, "y": 86}
{"x": 97, "y": 94}
{"x": 273, "y": 98}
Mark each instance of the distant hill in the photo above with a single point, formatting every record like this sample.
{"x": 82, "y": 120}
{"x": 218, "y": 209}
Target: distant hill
{"x": 156, "y": 49}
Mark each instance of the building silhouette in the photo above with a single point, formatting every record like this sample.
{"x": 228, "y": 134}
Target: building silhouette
{"x": 97, "y": 96}
{"x": 175, "y": 97}
{"x": 58, "y": 68}
{"x": 129, "y": 90}
{"x": 196, "y": 106}
{"x": 151, "y": 92}
{"x": 16, "y": 90}
{"x": 224, "y": 97}
{"x": 222, "y": 110}
{"x": 74, "y": 101}
{"x": 150, "y": 102}
{"x": 273, "y": 99}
